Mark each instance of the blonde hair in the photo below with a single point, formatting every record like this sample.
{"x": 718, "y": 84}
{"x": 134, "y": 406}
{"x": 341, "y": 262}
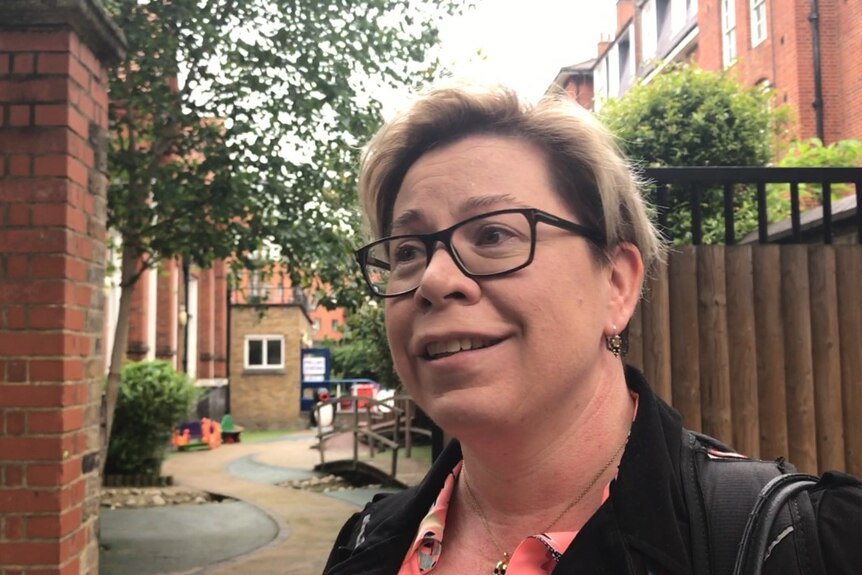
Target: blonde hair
{"x": 587, "y": 167}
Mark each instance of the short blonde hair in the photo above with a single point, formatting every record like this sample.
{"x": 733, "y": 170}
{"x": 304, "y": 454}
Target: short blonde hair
{"x": 588, "y": 169}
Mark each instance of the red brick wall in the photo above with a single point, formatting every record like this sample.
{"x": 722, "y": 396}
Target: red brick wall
{"x": 580, "y": 89}
{"x": 220, "y": 320}
{"x": 53, "y": 116}
{"x": 206, "y": 323}
{"x": 849, "y": 36}
{"x": 166, "y": 314}
{"x": 625, "y": 12}
{"x": 138, "y": 317}
{"x": 786, "y": 59}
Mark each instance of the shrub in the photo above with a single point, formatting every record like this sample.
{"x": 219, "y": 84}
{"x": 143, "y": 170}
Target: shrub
{"x": 690, "y": 117}
{"x": 812, "y": 153}
{"x": 153, "y": 398}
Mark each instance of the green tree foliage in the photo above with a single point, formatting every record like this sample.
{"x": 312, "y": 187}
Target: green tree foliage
{"x": 236, "y": 126}
{"x": 812, "y": 153}
{"x": 363, "y": 352}
{"x": 689, "y": 117}
{"x": 153, "y": 398}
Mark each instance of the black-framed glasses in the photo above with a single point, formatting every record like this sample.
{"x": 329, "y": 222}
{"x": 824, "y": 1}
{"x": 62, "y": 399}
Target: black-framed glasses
{"x": 483, "y": 246}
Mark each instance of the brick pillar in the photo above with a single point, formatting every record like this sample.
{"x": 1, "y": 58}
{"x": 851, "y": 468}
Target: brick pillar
{"x": 53, "y": 155}
{"x": 137, "y": 347}
{"x": 206, "y": 324}
{"x": 220, "y": 322}
{"x": 168, "y": 298}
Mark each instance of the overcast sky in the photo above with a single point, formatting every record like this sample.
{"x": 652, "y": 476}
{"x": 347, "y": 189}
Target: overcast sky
{"x": 525, "y": 42}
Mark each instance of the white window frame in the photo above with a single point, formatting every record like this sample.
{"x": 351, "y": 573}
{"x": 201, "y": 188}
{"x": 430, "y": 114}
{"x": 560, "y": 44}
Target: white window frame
{"x": 728, "y": 32}
{"x": 264, "y": 339}
{"x": 758, "y": 21}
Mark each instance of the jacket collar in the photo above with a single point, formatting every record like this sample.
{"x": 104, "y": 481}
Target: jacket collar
{"x": 646, "y": 510}
{"x": 647, "y": 498}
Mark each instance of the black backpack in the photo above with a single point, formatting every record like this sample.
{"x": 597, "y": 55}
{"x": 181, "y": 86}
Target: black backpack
{"x": 736, "y": 538}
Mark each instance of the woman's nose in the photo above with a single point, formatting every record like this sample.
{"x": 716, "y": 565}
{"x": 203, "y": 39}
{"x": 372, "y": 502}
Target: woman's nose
{"x": 443, "y": 280}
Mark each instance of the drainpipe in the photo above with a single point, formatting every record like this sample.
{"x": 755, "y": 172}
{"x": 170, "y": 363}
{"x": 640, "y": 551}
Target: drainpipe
{"x": 814, "y": 18}
{"x": 227, "y": 349}
{"x": 188, "y": 312}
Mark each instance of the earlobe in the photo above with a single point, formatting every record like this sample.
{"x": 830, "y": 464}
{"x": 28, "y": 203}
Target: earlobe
{"x": 626, "y": 278}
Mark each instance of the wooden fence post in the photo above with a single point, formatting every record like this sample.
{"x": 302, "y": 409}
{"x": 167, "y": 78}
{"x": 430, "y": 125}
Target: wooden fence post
{"x": 827, "y": 361}
{"x": 849, "y": 262}
{"x": 685, "y": 354}
{"x": 742, "y": 350}
{"x": 712, "y": 328}
{"x": 769, "y": 327}
{"x": 796, "y": 309}
{"x": 655, "y": 328}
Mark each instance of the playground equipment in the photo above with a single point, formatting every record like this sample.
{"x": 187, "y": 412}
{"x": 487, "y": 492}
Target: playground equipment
{"x": 194, "y": 434}
{"x": 230, "y": 432}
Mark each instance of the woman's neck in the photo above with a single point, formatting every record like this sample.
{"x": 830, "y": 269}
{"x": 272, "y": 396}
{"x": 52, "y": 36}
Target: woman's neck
{"x": 532, "y": 472}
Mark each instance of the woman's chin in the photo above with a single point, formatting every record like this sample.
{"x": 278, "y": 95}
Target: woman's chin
{"x": 463, "y": 418}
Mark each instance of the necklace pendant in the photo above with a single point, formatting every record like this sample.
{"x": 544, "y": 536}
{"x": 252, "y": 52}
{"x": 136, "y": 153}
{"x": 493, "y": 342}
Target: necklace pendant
{"x": 502, "y": 565}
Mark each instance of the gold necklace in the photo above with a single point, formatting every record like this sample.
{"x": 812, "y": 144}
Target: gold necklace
{"x": 503, "y": 564}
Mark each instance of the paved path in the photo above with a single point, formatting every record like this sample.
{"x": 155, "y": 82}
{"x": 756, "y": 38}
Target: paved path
{"x": 290, "y": 530}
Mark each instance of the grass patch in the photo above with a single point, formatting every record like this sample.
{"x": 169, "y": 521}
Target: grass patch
{"x": 268, "y": 435}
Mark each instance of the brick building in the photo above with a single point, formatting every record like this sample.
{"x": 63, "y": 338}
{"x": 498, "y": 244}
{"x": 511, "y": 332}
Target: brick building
{"x": 767, "y": 42}
{"x": 54, "y": 58}
{"x": 174, "y": 310}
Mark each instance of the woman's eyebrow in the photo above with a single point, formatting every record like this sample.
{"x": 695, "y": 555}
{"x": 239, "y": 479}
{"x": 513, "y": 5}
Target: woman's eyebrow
{"x": 406, "y": 219}
{"x": 477, "y": 202}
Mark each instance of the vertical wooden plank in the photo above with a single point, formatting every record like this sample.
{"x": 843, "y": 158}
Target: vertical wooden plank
{"x": 796, "y": 307}
{"x": 655, "y": 328}
{"x": 635, "y": 356}
{"x": 685, "y": 355}
{"x": 849, "y": 263}
{"x": 712, "y": 330}
{"x": 826, "y": 358}
{"x": 769, "y": 329}
{"x": 742, "y": 349}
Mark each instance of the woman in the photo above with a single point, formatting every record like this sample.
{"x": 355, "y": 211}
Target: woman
{"x": 513, "y": 247}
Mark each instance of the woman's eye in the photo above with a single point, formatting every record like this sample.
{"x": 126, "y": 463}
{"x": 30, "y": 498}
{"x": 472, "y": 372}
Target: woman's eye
{"x": 405, "y": 253}
{"x": 490, "y": 236}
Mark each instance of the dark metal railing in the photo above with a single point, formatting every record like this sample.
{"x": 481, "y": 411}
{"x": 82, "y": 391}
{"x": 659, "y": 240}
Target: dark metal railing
{"x": 668, "y": 183}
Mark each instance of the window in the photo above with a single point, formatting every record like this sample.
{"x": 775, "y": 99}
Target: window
{"x": 316, "y": 326}
{"x": 264, "y": 351}
{"x": 758, "y": 21}
{"x": 728, "y": 32}
{"x": 649, "y": 31}
{"x": 334, "y": 325}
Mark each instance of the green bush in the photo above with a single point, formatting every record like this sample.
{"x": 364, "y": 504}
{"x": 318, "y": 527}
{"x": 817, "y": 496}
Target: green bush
{"x": 153, "y": 398}
{"x": 812, "y": 153}
{"x": 687, "y": 116}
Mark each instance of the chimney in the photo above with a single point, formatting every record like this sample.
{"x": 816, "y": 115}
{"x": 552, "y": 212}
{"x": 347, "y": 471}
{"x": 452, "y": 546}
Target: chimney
{"x": 625, "y": 12}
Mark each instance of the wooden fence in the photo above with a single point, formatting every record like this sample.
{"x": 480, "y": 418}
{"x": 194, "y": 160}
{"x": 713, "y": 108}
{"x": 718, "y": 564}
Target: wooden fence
{"x": 760, "y": 346}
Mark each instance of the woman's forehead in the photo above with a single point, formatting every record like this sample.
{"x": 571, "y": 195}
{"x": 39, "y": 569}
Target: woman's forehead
{"x": 476, "y": 174}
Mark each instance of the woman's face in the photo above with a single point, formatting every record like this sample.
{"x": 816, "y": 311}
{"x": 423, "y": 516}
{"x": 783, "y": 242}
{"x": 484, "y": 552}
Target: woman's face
{"x": 526, "y": 338}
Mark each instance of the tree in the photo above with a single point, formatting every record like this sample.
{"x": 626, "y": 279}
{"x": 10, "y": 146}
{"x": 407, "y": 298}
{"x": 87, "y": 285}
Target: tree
{"x": 363, "y": 352}
{"x": 689, "y": 117}
{"x": 235, "y": 128}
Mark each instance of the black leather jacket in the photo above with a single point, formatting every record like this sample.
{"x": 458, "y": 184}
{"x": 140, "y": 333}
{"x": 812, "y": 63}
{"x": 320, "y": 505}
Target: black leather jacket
{"x": 642, "y": 528}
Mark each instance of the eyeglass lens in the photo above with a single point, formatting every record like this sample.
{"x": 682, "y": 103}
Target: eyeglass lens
{"x": 484, "y": 246}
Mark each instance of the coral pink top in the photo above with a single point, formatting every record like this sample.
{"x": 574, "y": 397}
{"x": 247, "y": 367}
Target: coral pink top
{"x": 535, "y": 555}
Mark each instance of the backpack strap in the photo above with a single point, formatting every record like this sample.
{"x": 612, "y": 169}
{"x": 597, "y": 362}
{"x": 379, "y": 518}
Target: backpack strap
{"x": 753, "y": 546}
{"x": 720, "y": 488}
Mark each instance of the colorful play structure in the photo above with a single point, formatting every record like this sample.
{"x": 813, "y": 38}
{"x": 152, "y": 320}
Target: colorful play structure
{"x": 195, "y": 434}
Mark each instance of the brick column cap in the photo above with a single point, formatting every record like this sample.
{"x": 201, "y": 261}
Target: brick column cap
{"x": 87, "y": 18}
